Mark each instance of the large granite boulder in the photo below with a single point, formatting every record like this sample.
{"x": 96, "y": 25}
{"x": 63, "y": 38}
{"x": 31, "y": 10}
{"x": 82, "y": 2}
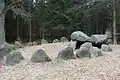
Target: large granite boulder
{"x": 66, "y": 54}
{"x": 95, "y": 52}
{"x": 84, "y": 50}
{"x": 99, "y": 38}
{"x": 106, "y": 48}
{"x": 80, "y": 36}
{"x": 14, "y": 58}
{"x": 40, "y": 56}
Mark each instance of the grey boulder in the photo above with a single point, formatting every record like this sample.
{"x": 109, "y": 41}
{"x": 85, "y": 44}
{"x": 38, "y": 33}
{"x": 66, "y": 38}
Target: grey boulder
{"x": 106, "y": 48}
{"x": 14, "y": 58}
{"x": 72, "y": 44}
{"x": 66, "y": 54}
{"x": 95, "y": 52}
{"x": 84, "y": 50}
{"x": 99, "y": 39}
{"x": 80, "y": 36}
{"x": 35, "y": 43}
{"x": 40, "y": 56}
{"x": 3, "y": 52}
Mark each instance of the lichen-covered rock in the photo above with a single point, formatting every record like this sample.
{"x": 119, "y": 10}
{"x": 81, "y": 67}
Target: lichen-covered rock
{"x": 63, "y": 39}
{"x": 72, "y": 44}
{"x": 95, "y": 52}
{"x": 43, "y": 41}
{"x": 40, "y": 56}
{"x": 66, "y": 54}
{"x": 84, "y": 50}
{"x": 14, "y": 58}
{"x": 80, "y": 36}
{"x": 106, "y": 48}
{"x": 55, "y": 41}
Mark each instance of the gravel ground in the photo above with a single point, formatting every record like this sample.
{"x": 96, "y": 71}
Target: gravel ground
{"x": 106, "y": 67}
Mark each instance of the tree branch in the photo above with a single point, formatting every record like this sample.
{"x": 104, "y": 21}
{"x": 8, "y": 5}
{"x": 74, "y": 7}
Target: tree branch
{"x": 9, "y": 7}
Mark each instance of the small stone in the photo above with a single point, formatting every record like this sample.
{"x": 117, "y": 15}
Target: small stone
{"x": 63, "y": 39}
{"x": 30, "y": 44}
{"x": 34, "y": 43}
{"x": 55, "y": 41}
{"x": 43, "y": 41}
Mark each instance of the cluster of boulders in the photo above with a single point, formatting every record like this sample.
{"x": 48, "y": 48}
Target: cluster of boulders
{"x": 87, "y": 50}
{"x": 89, "y": 46}
{"x": 80, "y": 46}
{"x": 11, "y": 47}
{"x": 96, "y": 40}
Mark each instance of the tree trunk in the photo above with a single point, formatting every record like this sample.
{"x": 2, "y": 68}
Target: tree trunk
{"x": 30, "y": 39}
{"x": 18, "y": 37}
{"x": 2, "y": 32}
{"x": 114, "y": 22}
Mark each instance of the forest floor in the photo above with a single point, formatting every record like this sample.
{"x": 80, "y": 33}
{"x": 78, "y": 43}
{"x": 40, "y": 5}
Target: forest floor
{"x": 106, "y": 67}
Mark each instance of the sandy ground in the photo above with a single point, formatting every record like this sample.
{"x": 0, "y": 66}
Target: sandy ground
{"x": 106, "y": 67}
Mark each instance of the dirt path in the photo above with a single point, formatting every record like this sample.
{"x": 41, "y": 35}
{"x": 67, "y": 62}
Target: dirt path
{"x": 106, "y": 67}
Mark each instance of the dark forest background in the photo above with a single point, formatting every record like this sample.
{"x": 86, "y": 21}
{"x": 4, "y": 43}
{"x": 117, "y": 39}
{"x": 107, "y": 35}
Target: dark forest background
{"x": 50, "y": 19}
